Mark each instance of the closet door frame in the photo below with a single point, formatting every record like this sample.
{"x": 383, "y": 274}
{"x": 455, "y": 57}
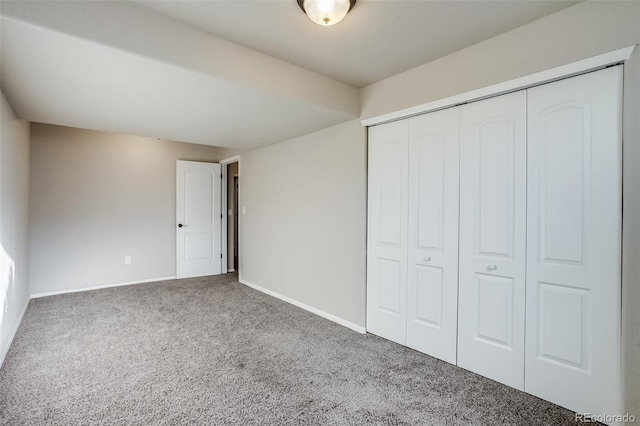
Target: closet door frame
{"x": 584, "y": 66}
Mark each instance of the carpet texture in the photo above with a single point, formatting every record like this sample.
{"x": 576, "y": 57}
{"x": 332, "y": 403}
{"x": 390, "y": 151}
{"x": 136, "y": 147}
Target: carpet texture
{"x": 212, "y": 351}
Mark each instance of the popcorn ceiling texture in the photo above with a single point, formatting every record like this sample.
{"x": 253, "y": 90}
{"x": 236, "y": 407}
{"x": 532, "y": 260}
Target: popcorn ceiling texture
{"x": 212, "y": 351}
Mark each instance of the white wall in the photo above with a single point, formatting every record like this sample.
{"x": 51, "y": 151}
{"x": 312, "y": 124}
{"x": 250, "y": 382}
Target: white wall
{"x": 582, "y": 31}
{"x": 304, "y": 231}
{"x": 97, "y": 197}
{"x": 14, "y": 206}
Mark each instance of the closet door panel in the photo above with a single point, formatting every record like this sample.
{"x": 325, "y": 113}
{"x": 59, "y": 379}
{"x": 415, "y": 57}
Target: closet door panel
{"x": 573, "y": 242}
{"x": 387, "y": 231}
{"x": 492, "y": 238}
{"x": 433, "y": 233}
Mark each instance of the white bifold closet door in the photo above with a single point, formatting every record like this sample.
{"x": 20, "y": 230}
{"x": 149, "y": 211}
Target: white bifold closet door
{"x": 493, "y": 167}
{"x": 432, "y": 281}
{"x": 387, "y": 231}
{"x": 573, "y": 242}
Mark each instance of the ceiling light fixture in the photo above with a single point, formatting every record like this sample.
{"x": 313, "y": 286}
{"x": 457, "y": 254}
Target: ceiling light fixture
{"x": 326, "y": 12}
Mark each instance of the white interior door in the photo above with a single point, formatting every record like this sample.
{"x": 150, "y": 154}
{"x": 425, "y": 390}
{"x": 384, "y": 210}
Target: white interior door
{"x": 492, "y": 238}
{"x": 432, "y": 281}
{"x": 387, "y": 231}
{"x": 573, "y": 242}
{"x": 198, "y": 215}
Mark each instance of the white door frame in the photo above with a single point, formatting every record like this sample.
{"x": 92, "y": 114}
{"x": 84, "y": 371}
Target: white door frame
{"x": 225, "y": 210}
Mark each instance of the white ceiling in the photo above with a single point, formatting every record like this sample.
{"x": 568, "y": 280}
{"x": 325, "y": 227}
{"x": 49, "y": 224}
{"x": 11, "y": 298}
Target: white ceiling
{"x": 239, "y": 74}
{"x": 376, "y": 40}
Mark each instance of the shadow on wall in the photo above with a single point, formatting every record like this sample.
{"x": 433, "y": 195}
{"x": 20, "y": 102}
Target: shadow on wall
{"x": 7, "y": 280}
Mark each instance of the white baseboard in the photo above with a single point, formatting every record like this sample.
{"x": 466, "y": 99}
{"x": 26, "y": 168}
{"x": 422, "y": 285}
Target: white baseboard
{"x": 76, "y": 290}
{"x": 13, "y": 333}
{"x": 306, "y": 307}
{"x": 231, "y": 270}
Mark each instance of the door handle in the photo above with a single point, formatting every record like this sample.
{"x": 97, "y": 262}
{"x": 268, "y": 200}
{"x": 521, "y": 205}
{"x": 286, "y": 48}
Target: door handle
{"x": 181, "y": 225}
{"x": 492, "y": 267}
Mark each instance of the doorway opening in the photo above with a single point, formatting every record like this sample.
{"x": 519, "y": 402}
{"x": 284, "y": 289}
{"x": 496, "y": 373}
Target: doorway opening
{"x": 231, "y": 217}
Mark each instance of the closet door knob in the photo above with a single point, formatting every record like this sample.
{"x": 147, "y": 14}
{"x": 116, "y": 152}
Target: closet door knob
{"x": 427, "y": 259}
{"x": 492, "y": 267}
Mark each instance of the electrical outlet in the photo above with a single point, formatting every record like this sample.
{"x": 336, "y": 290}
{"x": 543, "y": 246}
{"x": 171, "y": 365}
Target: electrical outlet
{"x": 127, "y": 260}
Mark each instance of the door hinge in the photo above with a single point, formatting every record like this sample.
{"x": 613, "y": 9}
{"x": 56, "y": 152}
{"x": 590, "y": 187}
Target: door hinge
{"x": 220, "y": 215}
{"x": 220, "y": 175}
{"x": 220, "y": 255}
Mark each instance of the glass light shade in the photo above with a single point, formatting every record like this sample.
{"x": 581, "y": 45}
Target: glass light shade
{"x": 326, "y": 12}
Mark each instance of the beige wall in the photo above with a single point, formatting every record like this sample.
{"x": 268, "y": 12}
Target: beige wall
{"x": 303, "y": 234}
{"x": 579, "y": 32}
{"x": 97, "y": 197}
{"x": 631, "y": 235}
{"x": 14, "y": 252}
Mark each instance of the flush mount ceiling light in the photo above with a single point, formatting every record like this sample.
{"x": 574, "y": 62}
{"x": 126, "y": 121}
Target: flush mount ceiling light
{"x": 326, "y": 12}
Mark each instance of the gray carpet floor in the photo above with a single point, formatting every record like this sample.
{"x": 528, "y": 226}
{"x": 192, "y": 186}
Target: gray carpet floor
{"x": 213, "y": 351}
